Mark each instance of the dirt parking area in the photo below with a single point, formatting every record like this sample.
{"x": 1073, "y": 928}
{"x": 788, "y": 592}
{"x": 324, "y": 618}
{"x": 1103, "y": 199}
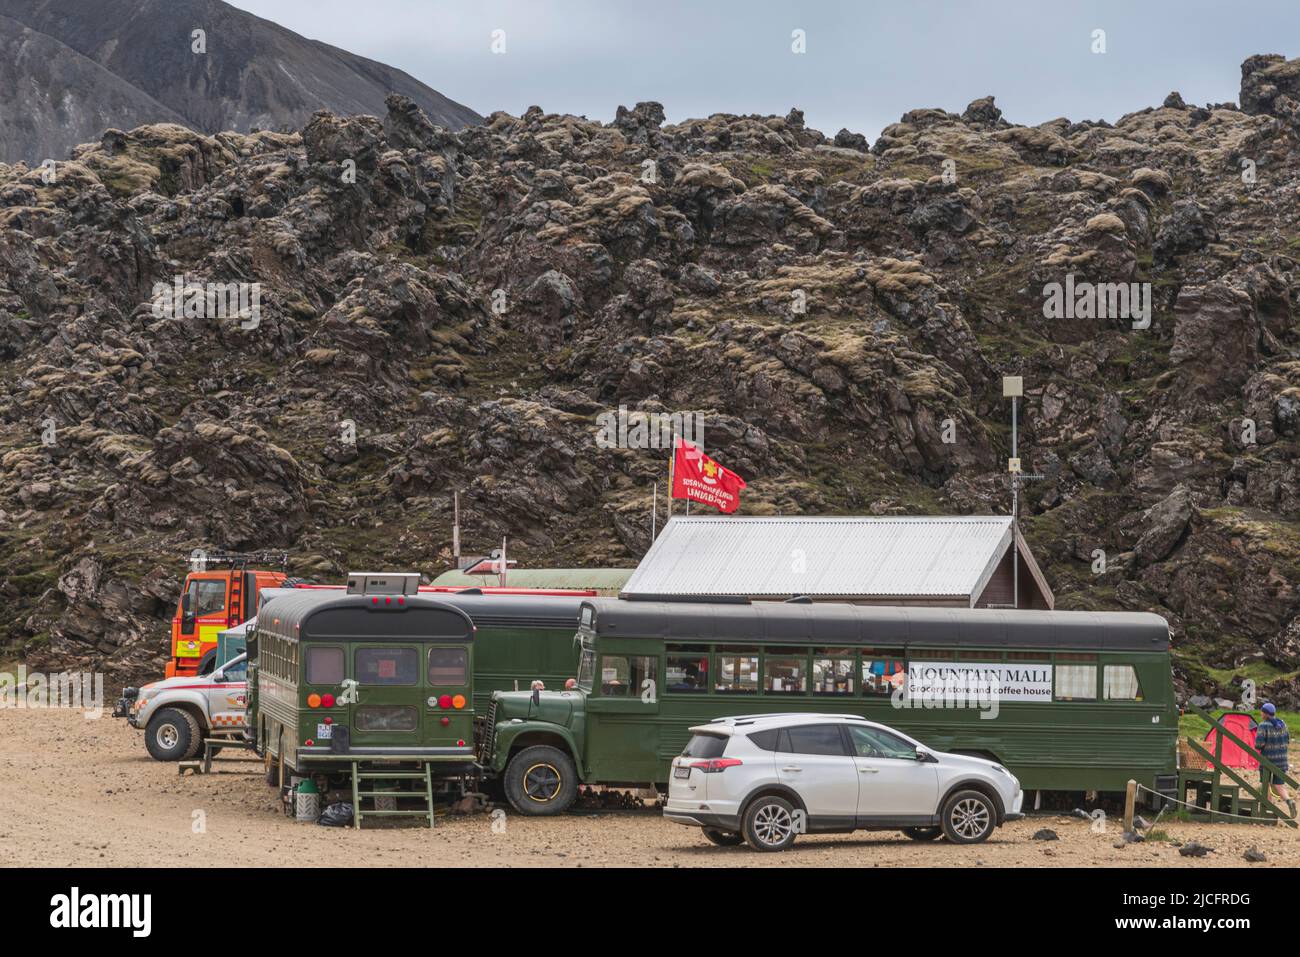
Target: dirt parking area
{"x": 85, "y": 793}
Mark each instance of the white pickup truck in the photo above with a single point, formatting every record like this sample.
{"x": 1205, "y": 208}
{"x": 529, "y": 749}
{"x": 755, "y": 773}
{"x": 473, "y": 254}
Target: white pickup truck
{"x": 178, "y": 713}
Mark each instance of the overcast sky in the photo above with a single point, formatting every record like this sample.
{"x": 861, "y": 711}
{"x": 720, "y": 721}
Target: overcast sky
{"x": 866, "y": 63}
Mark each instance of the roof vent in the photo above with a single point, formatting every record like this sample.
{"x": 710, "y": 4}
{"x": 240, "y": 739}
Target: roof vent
{"x": 383, "y": 583}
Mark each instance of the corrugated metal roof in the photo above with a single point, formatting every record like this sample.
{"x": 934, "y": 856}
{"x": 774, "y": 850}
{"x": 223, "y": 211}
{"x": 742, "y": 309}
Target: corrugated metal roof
{"x": 849, "y": 556}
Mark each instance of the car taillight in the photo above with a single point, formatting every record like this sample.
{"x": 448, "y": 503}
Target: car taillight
{"x": 716, "y": 764}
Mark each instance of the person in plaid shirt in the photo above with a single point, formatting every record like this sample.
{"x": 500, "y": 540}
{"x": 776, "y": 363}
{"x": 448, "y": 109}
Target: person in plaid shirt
{"x": 1271, "y": 740}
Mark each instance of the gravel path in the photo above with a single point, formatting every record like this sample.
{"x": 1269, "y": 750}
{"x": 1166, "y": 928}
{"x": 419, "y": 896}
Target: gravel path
{"x": 79, "y": 792}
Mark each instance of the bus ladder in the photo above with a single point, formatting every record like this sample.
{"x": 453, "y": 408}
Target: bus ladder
{"x": 1212, "y": 792}
{"x": 359, "y": 778}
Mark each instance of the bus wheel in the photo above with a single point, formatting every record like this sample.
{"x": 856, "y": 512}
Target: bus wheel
{"x": 723, "y": 838}
{"x": 172, "y": 735}
{"x": 541, "y": 780}
{"x": 923, "y": 833}
{"x": 968, "y": 817}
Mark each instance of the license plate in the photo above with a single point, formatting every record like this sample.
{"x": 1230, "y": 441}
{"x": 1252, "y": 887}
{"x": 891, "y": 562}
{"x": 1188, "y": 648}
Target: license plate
{"x": 681, "y": 772}
{"x": 325, "y": 731}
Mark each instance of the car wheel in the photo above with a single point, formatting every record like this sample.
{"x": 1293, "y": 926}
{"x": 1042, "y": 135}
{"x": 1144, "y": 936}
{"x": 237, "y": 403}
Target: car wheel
{"x": 769, "y": 824}
{"x": 923, "y": 833}
{"x": 723, "y": 838}
{"x": 541, "y": 780}
{"x": 969, "y": 817}
{"x": 172, "y": 735}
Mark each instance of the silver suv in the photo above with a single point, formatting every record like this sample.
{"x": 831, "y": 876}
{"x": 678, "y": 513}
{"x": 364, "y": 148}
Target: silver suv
{"x": 764, "y": 779}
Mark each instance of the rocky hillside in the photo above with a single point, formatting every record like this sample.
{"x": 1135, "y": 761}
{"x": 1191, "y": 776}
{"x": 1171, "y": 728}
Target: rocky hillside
{"x": 837, "y": 310}
{"x": 71, "y": 68}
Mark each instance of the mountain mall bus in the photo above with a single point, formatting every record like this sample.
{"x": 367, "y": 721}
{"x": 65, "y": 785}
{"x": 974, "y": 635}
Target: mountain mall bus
{"x": 1085, "y": 702}
{"x": 355, "y": 678}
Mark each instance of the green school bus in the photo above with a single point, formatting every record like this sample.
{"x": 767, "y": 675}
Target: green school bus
{"x": 338, "y": 679}
{"x": 1069, "y": 701}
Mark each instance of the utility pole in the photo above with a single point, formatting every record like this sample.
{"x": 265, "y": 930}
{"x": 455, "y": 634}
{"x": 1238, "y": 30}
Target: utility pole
{"x": 455, "y": 529}
{"x": 1013, "y": 388}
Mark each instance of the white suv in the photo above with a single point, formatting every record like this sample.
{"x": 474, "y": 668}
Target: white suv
{"x": 763, "y": 779}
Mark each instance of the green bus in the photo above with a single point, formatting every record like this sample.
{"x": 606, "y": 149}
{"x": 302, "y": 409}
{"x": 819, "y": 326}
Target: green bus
{"x": 337, "y": 680}
{"x": 1076, "y": 701}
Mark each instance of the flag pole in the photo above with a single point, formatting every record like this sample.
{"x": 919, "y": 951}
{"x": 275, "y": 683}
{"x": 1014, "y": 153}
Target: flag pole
{"x": 654, "y": 509}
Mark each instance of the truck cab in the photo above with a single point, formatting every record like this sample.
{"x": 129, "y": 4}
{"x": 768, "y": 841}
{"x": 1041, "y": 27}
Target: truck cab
{"x": 212, "y": 600}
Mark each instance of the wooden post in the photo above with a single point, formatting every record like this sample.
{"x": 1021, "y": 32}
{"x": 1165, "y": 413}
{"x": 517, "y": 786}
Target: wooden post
{"x": 1130, "y": 797}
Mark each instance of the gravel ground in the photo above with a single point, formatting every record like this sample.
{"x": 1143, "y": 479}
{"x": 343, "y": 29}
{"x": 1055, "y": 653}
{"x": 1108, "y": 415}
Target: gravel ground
{"x": 79, "y": 792}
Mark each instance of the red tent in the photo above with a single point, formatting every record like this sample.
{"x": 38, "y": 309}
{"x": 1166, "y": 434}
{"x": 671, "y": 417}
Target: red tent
{"x": 1243, "y": 726}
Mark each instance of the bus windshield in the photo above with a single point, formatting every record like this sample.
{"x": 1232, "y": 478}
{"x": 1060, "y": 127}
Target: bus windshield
{"x": 587, "y": 667}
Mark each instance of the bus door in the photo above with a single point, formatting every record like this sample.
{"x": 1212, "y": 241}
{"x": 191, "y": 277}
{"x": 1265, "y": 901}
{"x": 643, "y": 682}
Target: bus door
{"x": 390, "y": 695}
{"x": 623, "y": 713}
{"x": 202, "y": 614}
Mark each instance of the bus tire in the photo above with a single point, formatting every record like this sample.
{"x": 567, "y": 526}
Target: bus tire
{"x": 541, "y": 780}
{"x": 923, "y": 833}
{"x": 172, "y": 735}
{"x": 969, "y": 817}
{"x": 723, "y": 838}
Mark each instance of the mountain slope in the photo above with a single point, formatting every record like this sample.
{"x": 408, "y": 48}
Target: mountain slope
{"x": 254, "y": 74}
{"x": 49, "y": 89}
{"x": 459, "y": 316}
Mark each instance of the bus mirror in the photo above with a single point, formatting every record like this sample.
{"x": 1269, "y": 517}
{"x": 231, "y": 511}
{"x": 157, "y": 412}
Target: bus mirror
{"x": 185, "y": 603}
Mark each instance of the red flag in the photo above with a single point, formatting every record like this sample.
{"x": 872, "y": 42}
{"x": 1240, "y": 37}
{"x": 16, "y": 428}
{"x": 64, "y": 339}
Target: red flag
{"x": 698, "y": 477}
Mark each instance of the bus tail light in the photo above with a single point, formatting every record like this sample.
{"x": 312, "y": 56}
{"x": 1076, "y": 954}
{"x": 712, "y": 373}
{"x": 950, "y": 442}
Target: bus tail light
{"x": 327, "y": 700}
{"x": 458, "y": 702}
{"x": 716, "y": 764}
{"x": 445, "y": 701}
{"x": 313, "y": 700}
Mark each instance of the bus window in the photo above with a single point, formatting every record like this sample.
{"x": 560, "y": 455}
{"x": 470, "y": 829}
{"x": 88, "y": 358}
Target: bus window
{"x": 324, "y": 666}
{"x": 687, "y": 668}
{"x": 387, "y": 666}
{"x": 447, "y": 666}
{"x": 832, "y": 671}
{"x": 1076, "y": 677}
{"x": 624, "y": 676}
{"x": 737, "y": 670}
{"x": 783, "y": 673}
{"x": 1120, "y": 683}
{"x": 882, "y": 671}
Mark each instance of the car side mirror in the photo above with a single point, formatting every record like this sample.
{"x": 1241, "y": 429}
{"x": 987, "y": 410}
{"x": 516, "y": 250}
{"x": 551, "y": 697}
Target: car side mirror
{"x": 218, "y": 676}
{"x": 925, "y": 757}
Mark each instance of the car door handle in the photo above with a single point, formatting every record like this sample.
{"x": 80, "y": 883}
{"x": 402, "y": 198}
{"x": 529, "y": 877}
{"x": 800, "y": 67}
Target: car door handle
{"x": 868, "y": 770}
{"x": 791, "y": 767}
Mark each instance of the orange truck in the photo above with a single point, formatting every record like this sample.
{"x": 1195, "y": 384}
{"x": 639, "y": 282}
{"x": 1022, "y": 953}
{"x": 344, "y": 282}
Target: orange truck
{"x": 220, "y": 592}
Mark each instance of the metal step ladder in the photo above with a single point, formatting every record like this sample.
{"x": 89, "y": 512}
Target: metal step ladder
{"x": 359, "y": 778}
